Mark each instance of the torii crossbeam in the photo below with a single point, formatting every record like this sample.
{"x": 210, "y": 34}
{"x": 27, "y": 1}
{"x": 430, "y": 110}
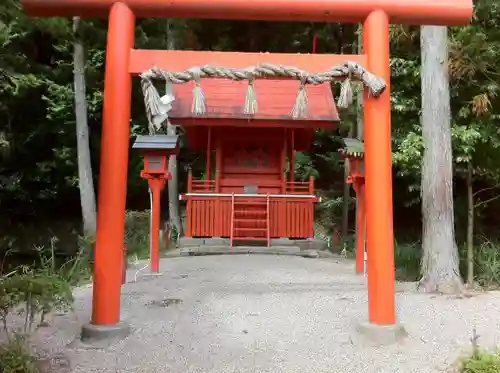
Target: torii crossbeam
{"x": 123, "y": 61}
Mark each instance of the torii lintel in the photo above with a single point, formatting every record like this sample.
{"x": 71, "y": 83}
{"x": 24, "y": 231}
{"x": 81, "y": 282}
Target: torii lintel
{"x": 417, "y": 12}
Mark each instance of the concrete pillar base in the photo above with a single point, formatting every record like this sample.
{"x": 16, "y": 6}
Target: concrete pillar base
{"x": 379, "y": 335}
{"x": 97, "y": 333}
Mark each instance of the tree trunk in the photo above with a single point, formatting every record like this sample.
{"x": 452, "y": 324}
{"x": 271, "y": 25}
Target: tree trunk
{"x": 359, "y": 110}
{"x": 470, "y": 226}
{"x": 85, "y": 181}
{"x": 173, "y": 183}
{"x": 360, "y": 126}
{"x": 440, "y": 261}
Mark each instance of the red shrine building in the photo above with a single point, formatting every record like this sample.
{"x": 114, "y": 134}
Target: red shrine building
{"x": 249, "y": 191}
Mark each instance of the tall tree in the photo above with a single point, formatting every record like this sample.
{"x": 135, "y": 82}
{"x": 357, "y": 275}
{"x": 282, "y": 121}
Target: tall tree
{"x": 85, "y": 181}
{"x": 173, "y": 184}
{"x": 359, "y": 120}
{"x": 440, "y": 261}
{"x": 353, "y": 130}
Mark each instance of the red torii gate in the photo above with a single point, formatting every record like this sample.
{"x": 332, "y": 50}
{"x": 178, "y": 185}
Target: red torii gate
{"x": 123, "y": 61}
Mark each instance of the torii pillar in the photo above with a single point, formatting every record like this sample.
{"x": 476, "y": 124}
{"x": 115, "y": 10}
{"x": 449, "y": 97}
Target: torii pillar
{"x": 376, "y": 15}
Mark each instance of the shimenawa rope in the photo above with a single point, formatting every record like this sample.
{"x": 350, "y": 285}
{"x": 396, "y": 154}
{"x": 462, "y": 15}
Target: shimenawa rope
{"x": 347, "y": 72}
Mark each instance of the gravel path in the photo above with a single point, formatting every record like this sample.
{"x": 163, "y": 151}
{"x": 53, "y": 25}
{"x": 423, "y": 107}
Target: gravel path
{"x": 251, "y": 313}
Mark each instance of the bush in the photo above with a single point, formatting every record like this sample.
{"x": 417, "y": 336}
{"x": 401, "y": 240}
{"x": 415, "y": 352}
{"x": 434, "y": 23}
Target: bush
{"x": 482, "y": 362}
{"x": 137, "y": 233}
{"x": 407, "y": 261}
{"x": 137, "y": 227}
{"x": 32, "y": 292}
{"x": 16, "y": 357}
{"x": 74, "y": 270}
{"x": 488, "y": 264}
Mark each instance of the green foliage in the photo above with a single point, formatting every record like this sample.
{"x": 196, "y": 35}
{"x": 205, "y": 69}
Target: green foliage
{"x": 488, "y": 264}
{"x": 16, "y": 357}
{"x": 72, "y": 270}
{"x": 407, "y": 261}
{"x": 482, "y": 362}
{"x": 137, "y": 228}
{"x": 32, "y": 292}
{"x": 137, "y": 234}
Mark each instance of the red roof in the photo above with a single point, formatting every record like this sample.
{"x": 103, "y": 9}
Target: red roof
{"x": 225, "y": 99}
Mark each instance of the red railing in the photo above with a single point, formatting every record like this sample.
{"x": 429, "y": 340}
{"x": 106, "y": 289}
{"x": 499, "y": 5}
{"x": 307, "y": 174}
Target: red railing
{"x": 203, "y": 186}
{"x": 290, "y": 211}
{"x": 300, "y": 187}
{"x": 213, "y": 186}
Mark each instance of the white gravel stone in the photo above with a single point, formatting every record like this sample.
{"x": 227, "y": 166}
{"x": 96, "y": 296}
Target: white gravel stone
{"x": 276, "y": 314}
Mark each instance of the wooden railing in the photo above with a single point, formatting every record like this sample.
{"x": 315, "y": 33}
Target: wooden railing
{"x": 203, "y": 186}
{"x": 213, "y": 186}
{"x": 300, "y": 187}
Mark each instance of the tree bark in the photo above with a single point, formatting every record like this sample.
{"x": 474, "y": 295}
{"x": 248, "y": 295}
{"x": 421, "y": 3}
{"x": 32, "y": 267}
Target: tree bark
{"x": 359, "y": 124}
{"x": 440, "y": 261}
{"x": 173, "y": 183}
{"x": 85, "y": 180}
{"x": 470, "y": 225}
{"x": 359, "y": 110}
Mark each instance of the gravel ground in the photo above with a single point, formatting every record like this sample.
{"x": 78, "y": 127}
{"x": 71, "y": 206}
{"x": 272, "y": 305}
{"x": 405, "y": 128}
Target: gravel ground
{"x": 251, "y": 313}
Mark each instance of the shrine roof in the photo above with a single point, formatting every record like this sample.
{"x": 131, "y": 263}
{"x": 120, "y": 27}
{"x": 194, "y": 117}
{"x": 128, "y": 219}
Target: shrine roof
{"x": 225, "y": 100}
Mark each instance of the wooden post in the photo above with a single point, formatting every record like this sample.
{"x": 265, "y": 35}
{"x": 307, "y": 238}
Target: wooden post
{"x": 189, "y": 211}
{"x": 217, "y": 181}
{"x": 190, "y": 181}
{"x": 292, "y": 157}
{"x": 114, "y": 165}
{"x": 218, "y": 217}
{"x": 156, "y": 186}
{"x": 378, "y": 161}
{"x": 208, "y": 167}
{"x": 218, "y": 158}
{"x": 311, "y": 184}
{"x": 283, "y": 163}
{"x": 360, "y": 226}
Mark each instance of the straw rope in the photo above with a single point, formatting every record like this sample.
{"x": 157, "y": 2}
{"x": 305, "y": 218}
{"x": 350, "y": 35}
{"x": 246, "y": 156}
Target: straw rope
{"x": 347, "y": 72}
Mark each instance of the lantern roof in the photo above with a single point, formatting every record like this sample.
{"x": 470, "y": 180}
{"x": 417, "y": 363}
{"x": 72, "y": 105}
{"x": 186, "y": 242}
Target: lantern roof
{"x": 156, "y": 142}
{"x": 353, "y": 148}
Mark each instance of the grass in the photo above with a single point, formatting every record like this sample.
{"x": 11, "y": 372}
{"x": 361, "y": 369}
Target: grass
{"x": 37, "y": 289}
{"x": 137, "y": 227}
{"x": 16, "y": 357}
{"x": 482, "y": 362}
{"x": 488, "y": 263}
{"x": 407, "y": 258}
{"x": 137, "y": 233}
